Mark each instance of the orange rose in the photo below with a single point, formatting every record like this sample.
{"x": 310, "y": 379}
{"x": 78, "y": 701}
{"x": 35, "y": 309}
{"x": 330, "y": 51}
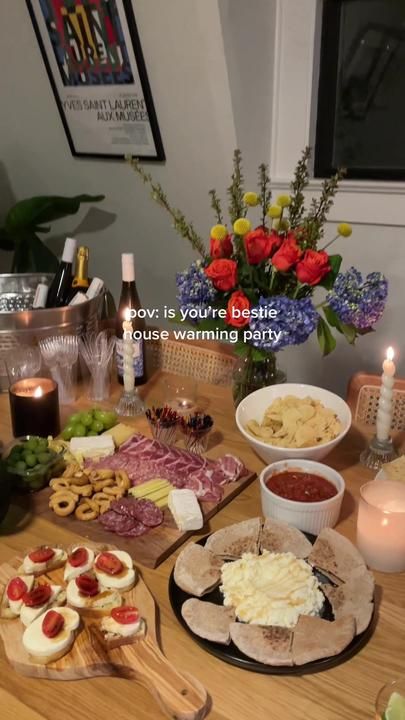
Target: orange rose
{"x": 223, "y": 274}
{"x": 288, "y": 254}
{"x": 260, "y": 245}
{"x": 238, "y": 310}
{"x": 221, "y": 248}
{"x": 313, "y": 267}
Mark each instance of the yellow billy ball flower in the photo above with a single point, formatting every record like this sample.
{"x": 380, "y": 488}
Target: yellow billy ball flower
{"x": 251, "y": 199}
{"x": 344, "y": 229}
{"x": 219, "y": 232}
{"x": 241, "y": 226}
{"x": 274, "y": 211}
{"x": 284, "y": 201}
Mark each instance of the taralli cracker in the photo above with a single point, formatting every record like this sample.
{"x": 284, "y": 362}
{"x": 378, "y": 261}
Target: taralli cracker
{"x": 293, "y": 422}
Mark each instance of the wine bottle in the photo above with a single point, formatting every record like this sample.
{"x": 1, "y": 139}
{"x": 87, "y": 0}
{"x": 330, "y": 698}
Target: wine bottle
{"x": 62, "y": 282}
{"x": 41, "y": 294}
{"x": 80, "y": 280}
{"x": 129, "y": 299}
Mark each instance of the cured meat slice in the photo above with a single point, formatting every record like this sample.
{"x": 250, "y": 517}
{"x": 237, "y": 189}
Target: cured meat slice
{"x": 143, "y": 510}
{"x": 134, "y": 530}
{"x": 232, "y": 468}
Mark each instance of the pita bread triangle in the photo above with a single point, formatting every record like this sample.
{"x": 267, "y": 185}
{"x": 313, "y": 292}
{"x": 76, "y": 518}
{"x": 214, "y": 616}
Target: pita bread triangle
{"x": 315, "y": 638}
{"x": 197, "y": 571}
{"x": 232, "y": 541}
{"x": 208, "y": 620}
{"x": 353, "y": 597}
{"x": 268, "y": 645}
{"x": 335, "y": 555}
{"x": 278, "y": 537}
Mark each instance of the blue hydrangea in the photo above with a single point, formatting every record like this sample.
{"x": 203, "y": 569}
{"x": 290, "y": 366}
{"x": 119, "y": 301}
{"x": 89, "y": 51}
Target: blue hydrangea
{"x": 356, "y": 301}
{"x": 194, "y": 290}
{"x": 296, "y": 320}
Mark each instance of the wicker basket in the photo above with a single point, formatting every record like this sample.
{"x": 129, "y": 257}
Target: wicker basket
{"x": 26, "y": 327}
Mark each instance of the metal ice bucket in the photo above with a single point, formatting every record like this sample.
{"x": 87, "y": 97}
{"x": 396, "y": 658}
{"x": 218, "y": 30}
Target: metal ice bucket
{"x": 19, "y": 325}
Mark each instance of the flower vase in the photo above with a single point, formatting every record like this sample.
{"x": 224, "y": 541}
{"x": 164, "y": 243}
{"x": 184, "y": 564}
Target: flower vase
{"x": 252, "y": 374}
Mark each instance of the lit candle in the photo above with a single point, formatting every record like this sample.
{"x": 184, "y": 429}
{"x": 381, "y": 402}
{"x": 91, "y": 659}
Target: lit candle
{"x": 384, "y": 413}
{"x": 128, "y": 353}
{"x": 381, "y": 525}
{"x": 34, "y": 407}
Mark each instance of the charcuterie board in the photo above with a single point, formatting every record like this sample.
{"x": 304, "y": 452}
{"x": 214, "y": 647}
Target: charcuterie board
{"x": 150, "y": 549}
{"x": 179, "y": 695}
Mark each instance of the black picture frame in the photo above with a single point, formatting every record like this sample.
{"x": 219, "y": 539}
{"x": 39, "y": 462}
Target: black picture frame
{"x": 327, "y": 104}
{"x": 127, "y": 9}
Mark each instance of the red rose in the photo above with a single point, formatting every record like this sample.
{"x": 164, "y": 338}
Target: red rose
{"x": 223, "y": 274}
{"x": 260, "y": 245}
{"x": 288, "y": 254}
{"x": 313, "y": 267}
{"x": 221, "y": 248}
{"x": 237, "y": 303}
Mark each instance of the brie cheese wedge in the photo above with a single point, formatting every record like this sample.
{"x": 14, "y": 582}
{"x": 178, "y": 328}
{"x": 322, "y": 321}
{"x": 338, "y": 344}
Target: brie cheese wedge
{"x": 186, "y": 511}
{"x": 92, "y": 447}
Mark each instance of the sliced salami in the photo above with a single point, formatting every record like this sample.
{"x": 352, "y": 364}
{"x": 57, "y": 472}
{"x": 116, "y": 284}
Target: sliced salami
{"x": 132, "y": 528}
{"x": 148, "y": 513}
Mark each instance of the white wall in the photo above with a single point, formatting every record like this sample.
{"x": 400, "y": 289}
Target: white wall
{"x": 210, "y": 68}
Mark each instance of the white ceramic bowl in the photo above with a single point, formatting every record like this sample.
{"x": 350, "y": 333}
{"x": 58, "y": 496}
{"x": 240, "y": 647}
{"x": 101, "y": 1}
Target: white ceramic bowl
{"x": 310, "y": 517}
{"x": 253, "y": 406}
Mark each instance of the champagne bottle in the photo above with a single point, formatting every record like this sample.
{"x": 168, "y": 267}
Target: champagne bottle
{"x": 129, "y": 299}
{"x": 80, "y": 282}
{"x": 62, "y": 282}
{"x": 95, "y": 288}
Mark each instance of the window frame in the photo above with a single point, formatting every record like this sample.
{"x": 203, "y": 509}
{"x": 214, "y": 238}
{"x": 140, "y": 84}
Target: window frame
{"x": 297, "y": 37}
{"x": 328, "y": 76}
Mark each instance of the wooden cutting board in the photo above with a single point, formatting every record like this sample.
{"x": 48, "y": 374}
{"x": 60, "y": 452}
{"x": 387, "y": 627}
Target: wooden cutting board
{"x": 149, "y": 549}
{"x": 179, "y": 695}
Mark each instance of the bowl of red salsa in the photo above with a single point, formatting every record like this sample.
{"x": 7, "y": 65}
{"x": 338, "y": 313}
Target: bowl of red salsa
{"x": 302, "y": 493}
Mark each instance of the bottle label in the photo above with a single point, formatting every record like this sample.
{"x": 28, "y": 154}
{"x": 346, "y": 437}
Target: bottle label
{"x": 137, "y": 355}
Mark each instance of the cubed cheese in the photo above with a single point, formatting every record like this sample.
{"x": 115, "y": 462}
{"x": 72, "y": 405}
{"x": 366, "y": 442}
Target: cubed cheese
{"x": 92, "y": 447}
{"x": 183, "y": 505}
{"x": 120, "y": 433}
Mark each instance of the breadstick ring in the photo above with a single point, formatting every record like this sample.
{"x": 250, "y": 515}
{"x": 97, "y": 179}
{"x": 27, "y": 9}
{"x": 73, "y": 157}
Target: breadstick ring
{"x": 87, "y": 510}
{"x": 114, "y": 492}
{"x": 101, "y": 475}
{"x": 70, "y": 470}
{"x": 79, "y": 478}
{"x": 103, "y": 501}
{"x": 100, "y": 485}
{"x": 122, "y": 480}
{"x": 63, "y": 503}
{"x": 59, "y": 483}
{"x": 82, "y": 490}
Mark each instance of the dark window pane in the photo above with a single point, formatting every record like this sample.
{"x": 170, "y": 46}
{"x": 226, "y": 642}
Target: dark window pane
{"x": 361, "y": 103}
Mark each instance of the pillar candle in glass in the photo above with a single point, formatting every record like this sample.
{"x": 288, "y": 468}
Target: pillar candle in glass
{"x": 384, "y": 413}
{"x": 34, "y": 407}
{"x": 381, "y": 525}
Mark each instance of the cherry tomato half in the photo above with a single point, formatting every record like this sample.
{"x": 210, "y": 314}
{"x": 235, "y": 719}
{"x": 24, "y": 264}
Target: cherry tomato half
{"x": 78, "y": 557}
{"x": 87, "y": 585}
{"x": 52, "y": 624}
{"x": 16, "y": 589}
{"x": 125, "y": 615}
{"x": 41, "y": 554}
{"x": 39, "y": 596}
{"x": 109, "y": 563}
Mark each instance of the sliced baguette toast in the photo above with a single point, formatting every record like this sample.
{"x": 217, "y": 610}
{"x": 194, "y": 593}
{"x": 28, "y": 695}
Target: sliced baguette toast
{"x": 110, "y": 641}
{"x": 99, "y": 605}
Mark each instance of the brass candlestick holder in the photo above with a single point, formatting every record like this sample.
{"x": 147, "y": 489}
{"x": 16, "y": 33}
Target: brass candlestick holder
{"x": 377, "y": 453}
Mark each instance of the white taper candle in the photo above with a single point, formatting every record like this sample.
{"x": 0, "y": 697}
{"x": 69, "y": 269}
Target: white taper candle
{"x": 384, "y": 413}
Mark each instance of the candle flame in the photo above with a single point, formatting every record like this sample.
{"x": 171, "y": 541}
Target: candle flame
{"x": 390, "y": 353}
{"x": 127, "y": 314}
{"x": 38, "y": 392}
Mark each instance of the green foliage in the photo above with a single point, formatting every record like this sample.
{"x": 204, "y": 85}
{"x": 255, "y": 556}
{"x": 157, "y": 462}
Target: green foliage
{"x": 335, "y": 262}
{"x": 216, "y": 206}
{"x": 326, "y": 341}
{"x": 25, "y": 220}
{"x": 264, "y": 190}
{"x": 297, "y": 187}
{"x": 235, "y": 191}
{"x": 349, "y": 331}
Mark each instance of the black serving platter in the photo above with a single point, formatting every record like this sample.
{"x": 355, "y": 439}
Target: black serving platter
{"x": 232, "y": 655}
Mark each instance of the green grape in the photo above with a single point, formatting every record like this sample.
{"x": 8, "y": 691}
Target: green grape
{"x": 32, "y": 443}
{"x": 86, "y": 419}
{"x": 79, "y": 430}
{"x": 74, "y": 419}
{"x": 68, "y": 432}
{"x": 97, "y": 426}
{"x": 20, "y": 466}
{"x": 92, "y": 433}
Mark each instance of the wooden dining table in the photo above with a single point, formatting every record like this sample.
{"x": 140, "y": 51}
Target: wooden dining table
{"x": 346, "y": 692}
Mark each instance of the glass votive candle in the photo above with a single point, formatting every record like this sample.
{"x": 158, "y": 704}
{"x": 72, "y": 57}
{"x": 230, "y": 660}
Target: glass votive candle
{"x": 381, "y": 525}
{"x": 34, "y": 407}
{"x": 391, "y": 693}
{"x": 181, "y": 394}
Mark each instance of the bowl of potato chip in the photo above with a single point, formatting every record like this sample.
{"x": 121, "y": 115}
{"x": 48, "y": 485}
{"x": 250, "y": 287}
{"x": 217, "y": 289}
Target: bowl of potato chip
{"x": 293, "y": 420}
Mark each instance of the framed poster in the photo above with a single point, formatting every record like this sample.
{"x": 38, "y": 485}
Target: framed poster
{"x": 94, "y": 60}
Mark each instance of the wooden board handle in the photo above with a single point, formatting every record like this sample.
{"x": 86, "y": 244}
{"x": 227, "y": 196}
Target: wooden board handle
{"x": 181, "y": 697}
